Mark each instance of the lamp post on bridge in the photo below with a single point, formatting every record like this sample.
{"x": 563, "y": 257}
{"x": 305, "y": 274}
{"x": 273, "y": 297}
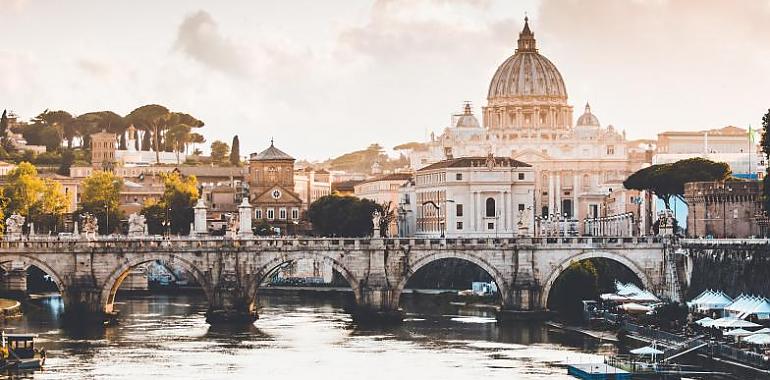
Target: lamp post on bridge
{"x": 442, "y": 222}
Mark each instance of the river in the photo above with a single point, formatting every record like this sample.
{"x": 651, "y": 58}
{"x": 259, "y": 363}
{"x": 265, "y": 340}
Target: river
{"x": 298, "y": 337}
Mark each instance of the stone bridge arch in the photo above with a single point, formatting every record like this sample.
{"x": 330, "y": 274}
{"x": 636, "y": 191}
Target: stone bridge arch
{"x": 504, "y": 286}
{"x": 31, "y": 260}
{"x": 270, "y": 266}
{"x": 601, "y": 254}
{"x": 115, "y": 278}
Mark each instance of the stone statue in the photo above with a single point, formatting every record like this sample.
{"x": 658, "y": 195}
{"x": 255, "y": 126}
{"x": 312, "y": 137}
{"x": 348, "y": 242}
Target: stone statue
{"x": 13, "y": 227}
{"x": 232, "y": 225}
{"x": 137, "y": 225}
{"x": 376, "y": 217}
{"x": 90, "y": 225}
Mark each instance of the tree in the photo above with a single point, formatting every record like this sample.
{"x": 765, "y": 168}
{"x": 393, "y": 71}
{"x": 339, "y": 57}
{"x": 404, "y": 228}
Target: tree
{"x": 196, "y": 138}
{"x": 4, "y": 143}
{"x": 42, "y": 201}
{"x": 235, "y": 152}
{"x": 333, "y": 215}
{"x": 23, "y": 189}
{"x": 178, "y": 135}
{"x": 219, "y": 152}
{"x": 101, "y": 197}
{"x": 150, "y": 118}
{"x": 765, "y": 142}
{"x": 180, "y": 196}
{"x": 67, "y": 159}
{"x": 154, "y": 212}
{"x": 668, "y": 180}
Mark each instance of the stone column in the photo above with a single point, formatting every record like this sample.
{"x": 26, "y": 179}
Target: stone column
{"x": 200, "y": 218}
{"x": 244, "y": 218}
{"x": 575, "y": 184}
{"x": 557, "y": 192}
{"x": 550, "y": 193}
{"x": 15, "y": 282}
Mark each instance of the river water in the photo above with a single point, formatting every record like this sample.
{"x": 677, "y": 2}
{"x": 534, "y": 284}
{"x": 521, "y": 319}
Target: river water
{"x": 298, "y": 337}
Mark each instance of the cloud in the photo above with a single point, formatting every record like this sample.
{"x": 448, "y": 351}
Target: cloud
{"x": 661, "y": 65}
{"x": 100, "y": 70}
{"x": 199, "y": 38}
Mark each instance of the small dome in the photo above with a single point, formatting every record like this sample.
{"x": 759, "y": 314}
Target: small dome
{"x": 587, "y": 119}
{"x": 269, "y": 154}
{"x": 527, "y": 73}
{"x": 466, "y": 119}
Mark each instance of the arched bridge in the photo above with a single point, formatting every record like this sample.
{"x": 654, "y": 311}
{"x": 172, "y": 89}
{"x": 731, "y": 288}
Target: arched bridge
{"x": 230, "y": 271}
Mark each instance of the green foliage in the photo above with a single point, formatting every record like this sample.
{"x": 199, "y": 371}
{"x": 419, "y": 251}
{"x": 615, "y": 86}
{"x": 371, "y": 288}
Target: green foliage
{"x": 334, "y": 215}
{"x": 668, "y": 180}
{"x": 42, "y": 201}
{"x": 180, "y": 196}
{"x": 235, "y": 152}
{"x": 669, "y": 316}
{"x": 219, "y": 152}
{"x": 66, "y": 161}
{"x": 101, "y": 197}
{"x": 175, "y": 207}
{"x": 263, "y": 228}
{"x": 4, "y": 143}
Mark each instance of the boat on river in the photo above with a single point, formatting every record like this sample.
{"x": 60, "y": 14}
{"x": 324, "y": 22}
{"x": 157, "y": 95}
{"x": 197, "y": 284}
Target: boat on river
{"x": 19, "y": 353}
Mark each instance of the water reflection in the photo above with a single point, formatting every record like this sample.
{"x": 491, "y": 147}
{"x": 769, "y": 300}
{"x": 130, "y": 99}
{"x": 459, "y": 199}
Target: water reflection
{"x": 297, "y": 337}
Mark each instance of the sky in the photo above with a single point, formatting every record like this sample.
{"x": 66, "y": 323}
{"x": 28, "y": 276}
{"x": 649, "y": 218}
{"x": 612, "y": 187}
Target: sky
{"x": 327, "y": 77}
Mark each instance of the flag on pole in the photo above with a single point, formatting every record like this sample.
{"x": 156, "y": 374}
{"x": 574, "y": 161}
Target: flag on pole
{"x": 752, "y": 137}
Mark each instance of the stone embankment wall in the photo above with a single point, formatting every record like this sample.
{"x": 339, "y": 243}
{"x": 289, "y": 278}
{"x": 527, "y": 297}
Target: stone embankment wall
{"x": 735, "y": 268}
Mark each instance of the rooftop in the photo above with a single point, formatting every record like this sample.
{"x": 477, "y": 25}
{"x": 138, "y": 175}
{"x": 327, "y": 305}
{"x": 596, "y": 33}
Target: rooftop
{"x": 473, "y": 162}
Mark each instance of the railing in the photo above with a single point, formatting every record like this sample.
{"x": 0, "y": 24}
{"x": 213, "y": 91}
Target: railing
{"x": 71, "y": 242}
{"x": 742, "y": 356}
{"x": 708, "y": 242}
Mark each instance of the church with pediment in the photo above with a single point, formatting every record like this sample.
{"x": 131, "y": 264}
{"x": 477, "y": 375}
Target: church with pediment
{"x": 529, "y": 119}
{"x": 271, "y": 187}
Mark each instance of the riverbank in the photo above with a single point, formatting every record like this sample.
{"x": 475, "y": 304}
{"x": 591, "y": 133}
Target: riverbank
{"x": 10, "y": 308}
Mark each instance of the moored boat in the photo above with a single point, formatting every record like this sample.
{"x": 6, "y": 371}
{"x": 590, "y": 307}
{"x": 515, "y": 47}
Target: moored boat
{"x": 18, "y": 352}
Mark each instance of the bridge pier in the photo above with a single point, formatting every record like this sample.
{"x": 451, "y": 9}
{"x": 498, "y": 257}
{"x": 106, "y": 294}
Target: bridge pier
{"x": 229, "y": 304}
{"x": 14, "y": 283}
{"x": 523, "y": 303}
{"x": 378, "y": 305}
{"x": 83, "y": 305}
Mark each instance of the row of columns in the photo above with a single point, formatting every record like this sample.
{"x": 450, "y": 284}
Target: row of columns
{"x": 556, "y": 117}
{"x": 613, "y": 225}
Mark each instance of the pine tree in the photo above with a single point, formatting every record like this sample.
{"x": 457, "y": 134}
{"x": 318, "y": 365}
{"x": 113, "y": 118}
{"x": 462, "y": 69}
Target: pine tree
{"x": 235, "y": 152}
{"x": 4, "y": 129}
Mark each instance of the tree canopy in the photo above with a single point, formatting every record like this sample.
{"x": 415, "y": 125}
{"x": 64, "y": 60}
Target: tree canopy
{"x": 219, "y": 152}
{"x": 175, "y": 207}
{"x": 668, "y": 180}
{"x": 235, "y": 152}
{"x": 42, "y": 201}
{"x": 101, "y": 197}
{"x": 334, "y": 215}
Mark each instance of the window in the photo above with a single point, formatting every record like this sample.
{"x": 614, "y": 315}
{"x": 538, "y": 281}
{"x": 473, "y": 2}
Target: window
{"x": 521, "y": 176}
{"x": 459, "y": 176}
{"x": 282, "y": 213}
{"x": 459, "y": 225}
{"x": 295, "y": 213}
{"x": 491, "y": 211}
{"x": 459, "y": 210}
{"x": 610, "y": 149}
{"x": 490, "y": 226}
{"x": 270, "y": 214}
{"x": 544, "y": 211}
{"x": 521, "y": 206}
{"x": 258, "y": 213}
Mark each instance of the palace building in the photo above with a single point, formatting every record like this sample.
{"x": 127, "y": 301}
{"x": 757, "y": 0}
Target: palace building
{"x": 528, "y": 118}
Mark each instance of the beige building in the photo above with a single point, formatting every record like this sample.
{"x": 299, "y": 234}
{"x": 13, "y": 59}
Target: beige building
{"x": 472, "y": 197}
{"x": 310, "y": 185}
{"x": 271, "y": 188}
{"x": 383, "y": 190}
{"x": 528, "y": 118}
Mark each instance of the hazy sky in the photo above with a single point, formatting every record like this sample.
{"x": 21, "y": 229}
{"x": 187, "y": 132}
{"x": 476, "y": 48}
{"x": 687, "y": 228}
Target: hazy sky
{"x": 327, "y": 77}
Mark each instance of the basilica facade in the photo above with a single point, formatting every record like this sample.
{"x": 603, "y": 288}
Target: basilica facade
{"x": 528, "y": 118}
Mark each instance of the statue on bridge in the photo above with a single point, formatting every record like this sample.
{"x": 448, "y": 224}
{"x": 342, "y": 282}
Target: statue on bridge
{"x": 232, "y": 225}
{"x": 376, "y": 217}
{"x": 137, "y": 225}
{"x": 13, "y": 227}
{"x": 90, "y": 225}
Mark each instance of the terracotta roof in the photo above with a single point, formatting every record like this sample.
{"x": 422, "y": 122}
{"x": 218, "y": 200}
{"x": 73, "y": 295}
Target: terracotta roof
{"x": 470, "y": 162}
{"x": 211, "y": 171}
{"x": 271, "y": 153}
{"x": 389, "y": 177}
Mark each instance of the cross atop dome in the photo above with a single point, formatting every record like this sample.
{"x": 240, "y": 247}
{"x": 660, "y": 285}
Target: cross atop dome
{"x": 527, "y": 41}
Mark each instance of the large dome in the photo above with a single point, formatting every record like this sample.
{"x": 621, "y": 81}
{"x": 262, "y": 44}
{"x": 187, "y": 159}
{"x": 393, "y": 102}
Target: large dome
{"x": 587, "y": 119}
{"x": 527, "y": 73}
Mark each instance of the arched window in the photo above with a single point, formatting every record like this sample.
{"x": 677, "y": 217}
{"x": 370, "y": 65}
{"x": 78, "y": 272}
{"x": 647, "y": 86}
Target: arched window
{"x": 491, "y": 211}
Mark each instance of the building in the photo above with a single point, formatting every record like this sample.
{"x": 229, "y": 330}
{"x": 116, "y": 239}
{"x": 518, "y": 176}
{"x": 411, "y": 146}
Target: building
{"x": 271, "y": 188}
{"x": 730, "y": 209}
{"x": 310, "y": 185}
{"x": 731, "y": 145}
{"x": 383, "y": 190}
{"x": 528, "y": 118}
{"x": 103, "y": 150}
{"x": 471, "y": 197}
{"x": 345, "y": 188}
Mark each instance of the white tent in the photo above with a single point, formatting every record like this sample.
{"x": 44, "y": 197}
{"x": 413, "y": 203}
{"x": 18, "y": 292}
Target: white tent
{"x": 633, "y": 307}
{"x": 646, "y": 350}
{"x": 739, "y": 332}
{"x": 758, "y": 339}
{"x": 733, "y": 322}
{"x": 705, "y": 322}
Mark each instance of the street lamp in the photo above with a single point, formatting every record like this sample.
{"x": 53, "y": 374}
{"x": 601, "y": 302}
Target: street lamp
{"x": 438, "y": 213}
{"x": 106, "y": 219}
{"x": 168, "y": 222}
